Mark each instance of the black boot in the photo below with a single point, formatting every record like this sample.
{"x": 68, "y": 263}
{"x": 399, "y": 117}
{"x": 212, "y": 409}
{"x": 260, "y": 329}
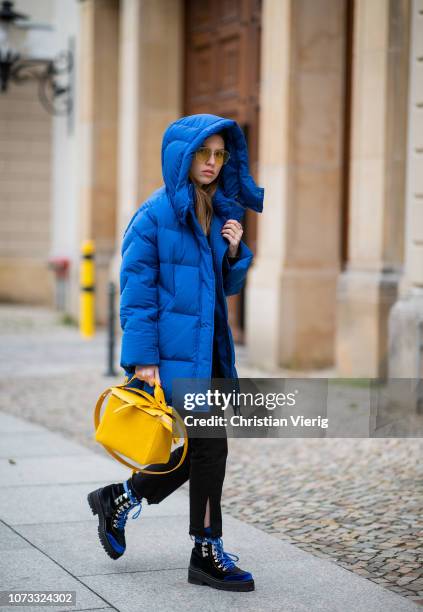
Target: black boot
{"x": 112, "y": 504}
{"x": 211, "y": 566}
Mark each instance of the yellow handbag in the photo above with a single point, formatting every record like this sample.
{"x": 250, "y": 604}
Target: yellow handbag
{"x": 138, "y": 426}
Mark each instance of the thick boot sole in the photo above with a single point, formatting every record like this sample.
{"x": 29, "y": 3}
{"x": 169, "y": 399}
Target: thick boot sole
{"x": 199, "y": 577}
{"x": 94, "y": 502}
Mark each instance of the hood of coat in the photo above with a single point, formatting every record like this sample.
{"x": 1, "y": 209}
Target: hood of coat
{"x": 237, "y": 189}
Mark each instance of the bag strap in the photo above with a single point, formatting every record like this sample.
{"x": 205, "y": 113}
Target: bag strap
{"x": 175, "y": 415}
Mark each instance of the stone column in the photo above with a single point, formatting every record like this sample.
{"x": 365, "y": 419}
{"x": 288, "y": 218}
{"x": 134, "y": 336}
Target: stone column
{"x": 150, "y": 97}
{"x": 406, "y": 316}
{"x": 291, "y": 287}
{"x": 367, "y": 288}
{"x": 97, "y": 135}
{"x": 128, "y": 118}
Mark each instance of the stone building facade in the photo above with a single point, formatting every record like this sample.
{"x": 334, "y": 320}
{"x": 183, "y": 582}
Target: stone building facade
{"x": 330, "y": 97}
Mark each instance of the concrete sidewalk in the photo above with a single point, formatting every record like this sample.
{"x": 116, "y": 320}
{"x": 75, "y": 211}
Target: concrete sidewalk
{"x": 48, "y": 540}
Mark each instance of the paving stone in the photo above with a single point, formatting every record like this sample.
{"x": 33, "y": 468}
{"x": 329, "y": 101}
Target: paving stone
{"x": 407, "y": 580}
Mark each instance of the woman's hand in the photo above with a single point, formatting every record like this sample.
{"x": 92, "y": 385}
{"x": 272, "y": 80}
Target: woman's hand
{"x": 232, "y": 231}
{"x": 148, "y": 374}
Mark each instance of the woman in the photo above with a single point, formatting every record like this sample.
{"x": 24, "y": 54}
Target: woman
{"x": 182, "y": 254}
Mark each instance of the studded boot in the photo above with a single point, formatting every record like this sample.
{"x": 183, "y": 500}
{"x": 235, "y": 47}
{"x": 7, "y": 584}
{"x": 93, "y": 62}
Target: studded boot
{"x": 112, "y": 505}
{"x": 211, "y": 565}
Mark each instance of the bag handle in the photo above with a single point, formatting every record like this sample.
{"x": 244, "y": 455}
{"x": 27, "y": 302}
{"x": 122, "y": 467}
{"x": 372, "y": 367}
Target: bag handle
{"x": 175, "y": 415}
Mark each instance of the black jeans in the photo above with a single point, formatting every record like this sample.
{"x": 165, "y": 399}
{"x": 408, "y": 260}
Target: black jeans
{"x": 204, "y": 466}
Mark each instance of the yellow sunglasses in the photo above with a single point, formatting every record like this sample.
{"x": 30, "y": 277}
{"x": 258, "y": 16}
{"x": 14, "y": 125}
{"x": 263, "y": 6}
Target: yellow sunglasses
{"x": 203, "y": 155}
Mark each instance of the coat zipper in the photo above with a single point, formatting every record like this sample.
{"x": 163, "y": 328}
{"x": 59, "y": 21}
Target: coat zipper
{"x": 204, "y": 238}
{"x": 213, "y": 313}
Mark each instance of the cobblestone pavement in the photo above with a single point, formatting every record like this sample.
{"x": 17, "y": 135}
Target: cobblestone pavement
{"x": 357, "y": 502}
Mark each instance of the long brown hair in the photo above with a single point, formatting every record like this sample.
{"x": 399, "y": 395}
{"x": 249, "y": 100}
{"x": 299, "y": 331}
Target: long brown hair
{"x": 203, "y": 200}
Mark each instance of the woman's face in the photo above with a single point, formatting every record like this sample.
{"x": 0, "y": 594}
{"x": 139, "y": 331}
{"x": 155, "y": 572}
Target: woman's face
{"x": 206, "y": 172}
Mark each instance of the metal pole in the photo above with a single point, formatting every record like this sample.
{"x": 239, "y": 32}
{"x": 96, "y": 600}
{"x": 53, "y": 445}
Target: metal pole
{"x": 87, "y": 296}
{"x": 419, "y": 374}
{"x": 111, "y": 332}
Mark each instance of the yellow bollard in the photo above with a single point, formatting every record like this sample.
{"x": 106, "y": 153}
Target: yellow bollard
{"x": 87, "y": 302}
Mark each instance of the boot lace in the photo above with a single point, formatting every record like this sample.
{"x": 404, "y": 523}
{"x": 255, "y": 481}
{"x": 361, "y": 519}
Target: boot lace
{"x": 226, "y": 559}
{"x": 123, "y": 511}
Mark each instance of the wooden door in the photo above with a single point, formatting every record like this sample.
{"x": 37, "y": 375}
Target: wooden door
{"x": 222, "y": 62}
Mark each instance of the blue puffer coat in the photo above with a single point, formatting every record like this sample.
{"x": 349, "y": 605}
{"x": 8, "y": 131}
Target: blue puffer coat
{"x": 171, "y": 280}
